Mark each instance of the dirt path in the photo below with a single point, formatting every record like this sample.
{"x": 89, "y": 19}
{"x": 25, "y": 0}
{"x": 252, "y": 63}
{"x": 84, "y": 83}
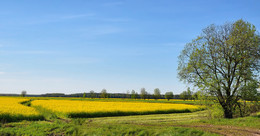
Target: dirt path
{"x": 225, "y": 130}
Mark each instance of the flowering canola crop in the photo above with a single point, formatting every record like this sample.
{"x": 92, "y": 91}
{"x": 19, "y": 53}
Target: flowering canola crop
{"x": 72, "y": 106}
{"x": 11, "y": 106}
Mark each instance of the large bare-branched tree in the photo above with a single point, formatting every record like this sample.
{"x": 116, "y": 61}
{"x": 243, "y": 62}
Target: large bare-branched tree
{"x": 222, "y": 60}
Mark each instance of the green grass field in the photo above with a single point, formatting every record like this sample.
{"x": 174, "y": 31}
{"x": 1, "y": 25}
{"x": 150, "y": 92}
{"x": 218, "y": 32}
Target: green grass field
{"x": 194, "y": 124}
{"x": 173, "y": 124}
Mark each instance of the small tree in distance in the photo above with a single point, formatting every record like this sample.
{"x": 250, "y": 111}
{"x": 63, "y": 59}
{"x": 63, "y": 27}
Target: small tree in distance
{"x": 23, "y": 93}
{"x": 84, "y": 95}
{"x": 184, "y": 95}
{"x": 104, "y": 94}
{"x": 157, "y": 93}
{"x": 127, "y": 94}
{"x": 134, "y": 94}
{"x": 143, "y": 93}
{"x": 92, "y": 94}
{"x": 189, "y": 93}
{"x": 169, "y": 95}
{"x": 196, "y": 95}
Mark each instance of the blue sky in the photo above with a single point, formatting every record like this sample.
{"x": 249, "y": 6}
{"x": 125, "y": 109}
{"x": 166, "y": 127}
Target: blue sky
{"x": 77, "y": 46}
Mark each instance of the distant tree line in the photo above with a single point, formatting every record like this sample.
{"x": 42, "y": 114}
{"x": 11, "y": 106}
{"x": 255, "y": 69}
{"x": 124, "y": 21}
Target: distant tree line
{"x": 130, "y": 95}
{"x": 104, "y": 94}
{"x": 252, "y": 95}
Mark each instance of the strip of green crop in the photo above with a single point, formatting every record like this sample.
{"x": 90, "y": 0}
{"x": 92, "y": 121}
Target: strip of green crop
{"x": 13, "y": 118}
{"x": 120, "y": 113}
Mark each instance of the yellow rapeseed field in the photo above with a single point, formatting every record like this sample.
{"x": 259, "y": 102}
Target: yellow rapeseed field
{"x": 73, "y": 106}
{"x": 11, "y": 106}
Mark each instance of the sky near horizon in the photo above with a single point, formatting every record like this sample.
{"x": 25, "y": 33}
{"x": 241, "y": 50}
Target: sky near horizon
{"x": 76, "y": 46}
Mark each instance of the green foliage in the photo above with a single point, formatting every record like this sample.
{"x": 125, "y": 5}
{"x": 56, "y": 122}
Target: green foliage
{"x": 157, "y": 93}
{"x": 26, "y": 103}
{"x": 47, "y": 114}
{"x": 189, "y": 94}
{"x": 250, "y": 121}
{"x": 214, "y": 111}
{"x": 243, "y": 108}
{"x": 84, "y": 95}
{"x": 92, "y": 94}
{"x": 128, "y": 94}
{"x": 134, "y": 94}
{"x": 249, "y": 91}
{"x": 143, "y": 93}
{"x": 195, "y": 96}
{"x": 40, "y": 129}
{"x": 221, "y": 61}
{"x": 169, "y": 95}
{"x": 4, "y": 118}
{"x": 23, "y": 93}
{"x": 104, "y": 94}
{"x": 184, "y": 95}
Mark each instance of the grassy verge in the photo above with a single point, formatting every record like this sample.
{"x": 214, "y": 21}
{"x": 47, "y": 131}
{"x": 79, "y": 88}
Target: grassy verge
{"x": 38, "y": 128}
{"x": 135, "y": 130}
{"x": 58, "y": 128}
{"x": 47, "y": 114}
{"x": 176, "y": 124}
{"x": 18, "y": 117}
{"x": 250, "y": 121}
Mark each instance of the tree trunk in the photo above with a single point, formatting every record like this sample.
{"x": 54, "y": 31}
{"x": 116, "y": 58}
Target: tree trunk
{"x": 228, "y": 113}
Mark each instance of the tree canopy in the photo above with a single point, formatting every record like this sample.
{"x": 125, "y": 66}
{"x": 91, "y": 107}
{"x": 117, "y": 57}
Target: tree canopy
{"x": 143, "y": 93}
{"x": 92, "y": 94}
{"x": 221, "y": 61}
{"x": 169, "y": 95}
{"x": 23, "y": 93}
{"x": 104, "y": 93}
{"x": 157, "y": 93}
